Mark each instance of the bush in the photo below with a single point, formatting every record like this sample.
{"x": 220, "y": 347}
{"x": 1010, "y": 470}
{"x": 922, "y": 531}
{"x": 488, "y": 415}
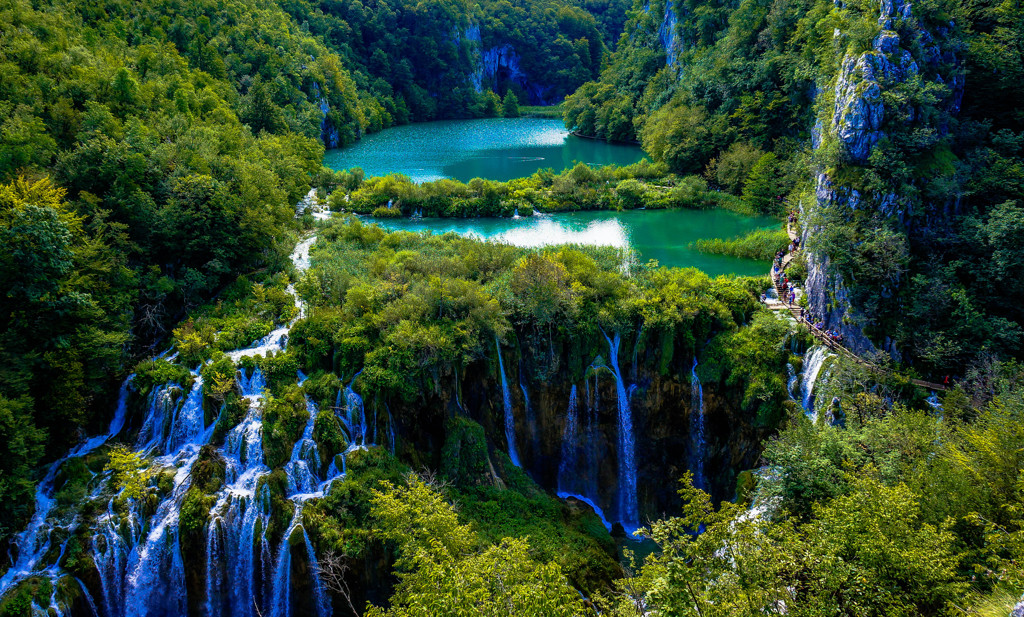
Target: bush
{"x": 761, "y": 244}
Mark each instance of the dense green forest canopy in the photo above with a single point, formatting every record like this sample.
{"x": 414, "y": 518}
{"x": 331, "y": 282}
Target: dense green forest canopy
{"x": 177, "y": 138}
{"x": 740, "y": 91}
{"x": 152, "y": 154}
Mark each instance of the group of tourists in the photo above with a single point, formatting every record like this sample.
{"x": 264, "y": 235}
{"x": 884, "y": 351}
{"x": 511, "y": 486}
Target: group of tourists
{"x": 819, "y": 324}
{"x": 787, "y": 291}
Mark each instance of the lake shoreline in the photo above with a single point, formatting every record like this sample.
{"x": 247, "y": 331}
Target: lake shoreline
{"x": 493, "y": 148}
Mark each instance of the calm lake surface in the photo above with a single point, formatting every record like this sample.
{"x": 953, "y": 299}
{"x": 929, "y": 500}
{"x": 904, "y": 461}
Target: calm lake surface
{"x": 492, "y": 148}
{"x": 655, "y": 234}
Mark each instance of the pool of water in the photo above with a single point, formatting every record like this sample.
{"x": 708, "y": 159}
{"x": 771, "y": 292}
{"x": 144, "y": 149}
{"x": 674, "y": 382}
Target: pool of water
{"x": 492, "y": 148}
{"x": 663, "y": 235}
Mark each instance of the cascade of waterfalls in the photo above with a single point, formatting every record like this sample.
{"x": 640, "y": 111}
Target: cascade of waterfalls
{"x": 698, "y": 441}
{"x": 510, "y": 424}
{"x": 138, "y": 556}
{"x": 34, "y": 542}
{"x": 628, "y": 513}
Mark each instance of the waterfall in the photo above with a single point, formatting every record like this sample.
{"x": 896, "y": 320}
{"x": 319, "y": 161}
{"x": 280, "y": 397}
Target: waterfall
{"x": 158, "y": 418}
{"x": 628, "y": 510}
{"x": 573, "y": 481}
{"x": 698, "y": 441}
{"x": 568, "y": 470}
{"x": 188, "y": 423}
{"x": 355, "y": 416}
{"x": 138, "y": 558}
{"x": 510, "y": 425}
{"x": 813, "y": 362}
{"x": 110, "y": 554}
{"x": 531, "y": 418}
{"x": 155, "y": 582}
{"x": 303, "y": 467}
{"x": 34, "y": 541}
{"x": 238, "y": 521}
{"x": 282, "y": 601}
{"x": 391, "y": 431}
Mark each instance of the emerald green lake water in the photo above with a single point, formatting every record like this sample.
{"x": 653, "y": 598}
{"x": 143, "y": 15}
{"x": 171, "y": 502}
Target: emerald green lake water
{"x": 492, "y": 148}
{"x": 656, "y": 234}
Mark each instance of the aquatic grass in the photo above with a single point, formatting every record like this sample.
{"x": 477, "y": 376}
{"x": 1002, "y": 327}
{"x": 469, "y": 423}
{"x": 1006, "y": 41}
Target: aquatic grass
{"x": 759, "y": 244}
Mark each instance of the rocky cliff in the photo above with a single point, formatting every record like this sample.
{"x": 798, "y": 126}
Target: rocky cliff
{"x": 852, "y": 115}
{"x": 498, "y": 67}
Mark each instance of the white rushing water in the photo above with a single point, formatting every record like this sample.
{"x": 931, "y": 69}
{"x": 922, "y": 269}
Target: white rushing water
{"x": 139, "y": 558}
{"x": 814, "y": 360}
{"x": 34, "y": 542}
{"x": 576, "y": 476}
{"x": 628, "y": 512}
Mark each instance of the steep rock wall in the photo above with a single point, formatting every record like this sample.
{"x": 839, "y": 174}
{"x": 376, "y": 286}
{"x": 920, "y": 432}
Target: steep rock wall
{"x": 856, "y": 122}
{"x": 499, "y": 66}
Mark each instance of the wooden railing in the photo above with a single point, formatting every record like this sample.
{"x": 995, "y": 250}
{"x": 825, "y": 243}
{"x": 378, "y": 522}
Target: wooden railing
{"x": 821, "y": 336}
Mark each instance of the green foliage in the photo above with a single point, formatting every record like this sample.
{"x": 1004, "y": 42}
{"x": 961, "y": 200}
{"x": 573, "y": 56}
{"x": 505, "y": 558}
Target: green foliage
{"x": 580, "y": 187}
{"x": 130, "y": 472}
{"x": 761, "y": 244}
{"x": 510, "y": 105}
{"x": 284, "y": 416}
{"x": 440, "y": 571}
{"x": 464, "y": 456}
{"x": 753, "y": 360}
{"x": 867, "y": 552}
{"x": 762, "y": 189}
{"x": 733, "y": 166}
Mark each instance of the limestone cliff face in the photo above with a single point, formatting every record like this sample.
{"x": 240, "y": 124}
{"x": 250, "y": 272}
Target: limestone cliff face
{"x": 499, "y": 66}
{"x": 328, "y": 132}
{"x": 855, "y": 122}
{"x": 663, "y": 416}
{"x": 668, "y": 35}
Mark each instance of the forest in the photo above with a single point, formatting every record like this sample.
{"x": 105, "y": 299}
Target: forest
{"x": 218, "y": 400}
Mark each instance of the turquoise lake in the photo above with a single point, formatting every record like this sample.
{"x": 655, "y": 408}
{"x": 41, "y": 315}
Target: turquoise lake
{"x": 663, "y": 235}
{"x": 492, "y": 148}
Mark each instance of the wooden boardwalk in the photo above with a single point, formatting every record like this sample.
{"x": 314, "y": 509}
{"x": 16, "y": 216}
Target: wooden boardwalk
{"x": 823, "y": 338}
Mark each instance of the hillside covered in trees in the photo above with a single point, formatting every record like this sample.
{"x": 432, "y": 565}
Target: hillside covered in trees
{"x": 891, "y": 127}
{"x": 217, "y": 400}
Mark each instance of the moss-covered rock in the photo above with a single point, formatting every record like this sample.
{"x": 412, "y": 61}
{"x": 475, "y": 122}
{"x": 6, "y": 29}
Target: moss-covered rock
{"x": 329, "y": 437}
{"x": 464, "y": 456}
